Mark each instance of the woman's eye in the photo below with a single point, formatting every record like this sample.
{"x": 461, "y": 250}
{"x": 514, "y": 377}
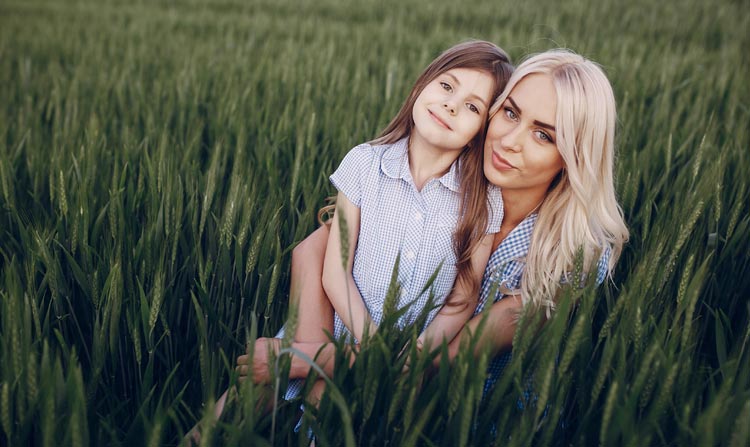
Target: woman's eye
{"x": 510, "y": 113}
{"x": 544, "y": 136}
{"x": 447, "y": 87}
{"x": 473, "y": 108}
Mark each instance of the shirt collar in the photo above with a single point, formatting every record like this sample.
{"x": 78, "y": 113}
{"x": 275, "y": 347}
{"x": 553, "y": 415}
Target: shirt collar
{"x": 516, "y": 245}
{"x": 395, "y": 160}
{"x": 395, "y": 164}
{"x": 450, "y": 179}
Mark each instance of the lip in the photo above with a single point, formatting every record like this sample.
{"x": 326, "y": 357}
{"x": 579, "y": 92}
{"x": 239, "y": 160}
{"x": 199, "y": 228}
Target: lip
{"x": 438, "y": 120}
{"x": 500, "y": 163}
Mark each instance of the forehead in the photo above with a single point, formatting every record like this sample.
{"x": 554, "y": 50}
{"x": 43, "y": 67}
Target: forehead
{"x": 535, "y": 95}
{"x": 475, "y": 80}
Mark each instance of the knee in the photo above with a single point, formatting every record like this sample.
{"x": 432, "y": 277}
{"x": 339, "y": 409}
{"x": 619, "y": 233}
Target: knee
{"x": 302, "y": 254}
{"x": 310, "y": 253}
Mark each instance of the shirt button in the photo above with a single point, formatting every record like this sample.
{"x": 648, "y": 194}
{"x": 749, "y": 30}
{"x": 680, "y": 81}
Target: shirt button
{"x": 418, "y": 216}
{"x": 410, "y": 255}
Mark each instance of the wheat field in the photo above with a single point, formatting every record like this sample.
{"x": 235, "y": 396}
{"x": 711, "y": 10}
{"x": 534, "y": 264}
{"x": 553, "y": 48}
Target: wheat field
{"x": 159, "y": 160}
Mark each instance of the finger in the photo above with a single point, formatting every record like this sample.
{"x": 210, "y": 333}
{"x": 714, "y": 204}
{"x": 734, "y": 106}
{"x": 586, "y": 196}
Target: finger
{"x": 243, "y": 360}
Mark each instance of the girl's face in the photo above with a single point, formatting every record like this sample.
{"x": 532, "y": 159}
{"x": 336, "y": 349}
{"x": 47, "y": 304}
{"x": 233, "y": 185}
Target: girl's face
{"x": 452, "y": 108}
{"x": 520, "y": 154}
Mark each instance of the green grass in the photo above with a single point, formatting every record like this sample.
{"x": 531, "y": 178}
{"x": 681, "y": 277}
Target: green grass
{"x": 159, "y": 160}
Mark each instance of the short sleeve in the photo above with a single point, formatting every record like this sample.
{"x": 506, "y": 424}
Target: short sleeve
{"x": 496, "y": 209}
{"x": 351, "y": 173}
{"x": 602, "y": 267}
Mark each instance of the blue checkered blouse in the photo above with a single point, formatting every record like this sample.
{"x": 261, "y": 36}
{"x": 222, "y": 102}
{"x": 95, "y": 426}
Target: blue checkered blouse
{"x": 503, "y": 277}
{"x": 396, "y": 218}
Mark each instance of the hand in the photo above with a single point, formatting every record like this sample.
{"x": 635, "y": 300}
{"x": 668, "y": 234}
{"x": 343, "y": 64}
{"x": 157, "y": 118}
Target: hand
{"x": 259, "y": 366}
{"x": 407, "y": 352}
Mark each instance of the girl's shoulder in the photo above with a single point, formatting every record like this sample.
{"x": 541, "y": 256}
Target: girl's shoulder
{"x": 388, "y": 150}
{"x": 367, "y": 153}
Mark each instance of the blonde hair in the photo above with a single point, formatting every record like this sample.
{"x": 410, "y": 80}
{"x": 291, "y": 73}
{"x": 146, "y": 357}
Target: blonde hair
{"x": 580, "y": 210}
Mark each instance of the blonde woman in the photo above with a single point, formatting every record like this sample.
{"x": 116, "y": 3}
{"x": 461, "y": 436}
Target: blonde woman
{"x": 550, "y": 147}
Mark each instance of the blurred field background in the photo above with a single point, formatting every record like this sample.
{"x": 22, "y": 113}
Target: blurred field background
{"x": 160, "y": 159}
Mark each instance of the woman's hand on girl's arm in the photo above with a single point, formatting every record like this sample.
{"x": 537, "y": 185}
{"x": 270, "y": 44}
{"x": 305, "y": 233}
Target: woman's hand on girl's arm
{"x": 451, "y": 319}
{"x": 260, "y": 370}
{"x": 259, "y": 367}
{"x": 338, "y": 281}
{"x": 498, "y": 332}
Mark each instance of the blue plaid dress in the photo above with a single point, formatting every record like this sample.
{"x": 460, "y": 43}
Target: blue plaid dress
{"x": 398, "y": 219}
{"x": 503, "y": 277}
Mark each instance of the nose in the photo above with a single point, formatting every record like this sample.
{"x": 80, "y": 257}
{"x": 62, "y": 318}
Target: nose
{"x": 511, "y": 140}
{"x": 449, "y": 107}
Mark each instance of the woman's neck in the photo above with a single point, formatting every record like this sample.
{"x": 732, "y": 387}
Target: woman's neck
{"x": 517, "y": 206}
{"x": 427, "y": 161}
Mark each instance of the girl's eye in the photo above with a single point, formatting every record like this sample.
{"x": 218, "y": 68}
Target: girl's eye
{"x": 544, "y": 136}
{"x": 473, "y": 108}
{"x": 447, "y": 87}
{"x": 510, "y": 113}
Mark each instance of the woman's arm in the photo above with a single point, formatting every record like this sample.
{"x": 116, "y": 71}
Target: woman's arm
{"x": 450, "y": 319}
{"x": 497, "y": 335}
{"x": 260, "y": 369}
{"x": 338, "y": 281}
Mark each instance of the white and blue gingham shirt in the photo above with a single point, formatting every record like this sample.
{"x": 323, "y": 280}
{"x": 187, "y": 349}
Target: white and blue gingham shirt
{"x": 396, "y": 218}
{"x": 503, "y": 277}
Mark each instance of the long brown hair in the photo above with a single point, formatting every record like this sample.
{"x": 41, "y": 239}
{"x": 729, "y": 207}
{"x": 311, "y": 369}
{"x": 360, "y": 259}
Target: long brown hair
{"x": 474, "y": 215}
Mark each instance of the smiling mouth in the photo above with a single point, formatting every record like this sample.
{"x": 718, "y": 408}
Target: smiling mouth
{"x": 500, "y": 163}
{"x": 438, "y": 120}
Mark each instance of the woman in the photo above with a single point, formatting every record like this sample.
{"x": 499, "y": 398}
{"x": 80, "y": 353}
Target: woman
{"x": 550, "y": 147}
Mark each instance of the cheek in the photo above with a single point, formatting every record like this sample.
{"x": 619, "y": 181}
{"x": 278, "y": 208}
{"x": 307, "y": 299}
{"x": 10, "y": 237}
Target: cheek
{"x": 493, "y": 127}
{"x": 471, "y": 123}
{"x": 549, "y": 165}
{"x": 477, "y": 122}
{"x": 497, "y": 128}
{"x": 421, "y": 96}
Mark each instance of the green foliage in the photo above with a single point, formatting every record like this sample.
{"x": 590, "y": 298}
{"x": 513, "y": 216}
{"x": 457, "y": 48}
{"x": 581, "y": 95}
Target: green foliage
{"x": 159, "y": 160}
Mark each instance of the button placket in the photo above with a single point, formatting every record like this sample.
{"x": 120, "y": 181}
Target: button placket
{"x": 410, "y": 249}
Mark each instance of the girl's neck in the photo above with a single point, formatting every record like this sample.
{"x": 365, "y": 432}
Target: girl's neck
{"x": 427, "y": 161}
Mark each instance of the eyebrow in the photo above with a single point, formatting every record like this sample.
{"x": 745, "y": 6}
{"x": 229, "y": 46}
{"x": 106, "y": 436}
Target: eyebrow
{"x": 537, "y": 122}
{"x": 455, "y": 79}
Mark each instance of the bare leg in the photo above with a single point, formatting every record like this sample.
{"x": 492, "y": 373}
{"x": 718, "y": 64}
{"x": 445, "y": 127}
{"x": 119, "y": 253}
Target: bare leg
{"x": 315, "y": 313}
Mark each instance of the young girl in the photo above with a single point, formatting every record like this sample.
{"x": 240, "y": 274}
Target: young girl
{"x": 416, "y": 192}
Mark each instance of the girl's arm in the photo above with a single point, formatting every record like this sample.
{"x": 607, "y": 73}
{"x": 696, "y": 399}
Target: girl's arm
{"x": 450, "y": 319}
{"x": 338, "y": 281}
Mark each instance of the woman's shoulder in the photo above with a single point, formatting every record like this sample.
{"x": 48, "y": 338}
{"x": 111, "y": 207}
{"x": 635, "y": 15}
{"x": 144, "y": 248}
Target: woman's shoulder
{"x": 495, "y": 207}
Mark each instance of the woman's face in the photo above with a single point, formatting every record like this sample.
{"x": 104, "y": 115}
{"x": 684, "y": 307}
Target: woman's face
{"x": 520, "y": 154}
